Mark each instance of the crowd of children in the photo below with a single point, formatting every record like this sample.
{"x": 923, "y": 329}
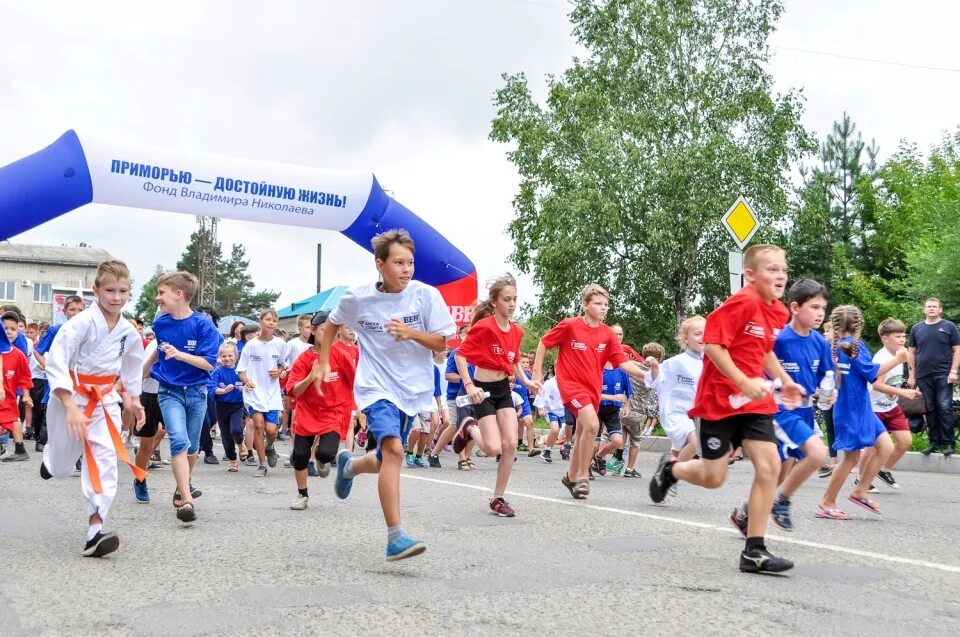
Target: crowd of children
{"x": 375, "y": 372}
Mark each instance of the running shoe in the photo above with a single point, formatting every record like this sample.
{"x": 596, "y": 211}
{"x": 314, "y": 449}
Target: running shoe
{"x": 600, "y": 465}
{"x": 404, "y": 547}
{"x": 462, "y": 437}
{"x": 739, "y": 521}
{"x": 16, "y": 457}
{"x": 615, "y": 466}
{"x": 825, "y": 471}
{"x": 261, "y": 472}
{"x": 140, "y": 491}
{"x": 533, "y": 453}
{"x": 287, "y": 464}
{"x": 210, "y": 460}
{"x": 434, "y": 462}
{"x": 502, "y": 508}
{"x": 948, "y": 451}
{"x": 759, "y": 560}
{"x": 300, "y": 503}
{"x": 662, "y": 479}
{"x": 565, "y": 452}
{"x": 547, "y": 455}
{"x": 323, "y": 469}
{"x": 419, "y": 463}
{"x": 672, "y": 491}
{"x": 271, "y": 457}
{"x": 780, "y": 515}
{"x": 872, "y": 489}
{"x": 195, "y": 492}
{"x": 342, "y": 485}
{"x": 101, "y": 544}
{"x": 521, "y": 446}
{"x": 312, "y": 469}
{"x": 632, "y": 473}
{"x": 251, "y": 460}
{"x": 409, "y": 459}
{"x": 887, "y": 477}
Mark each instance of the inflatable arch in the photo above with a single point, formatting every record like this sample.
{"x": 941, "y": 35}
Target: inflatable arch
{"x": 74, "y": 171}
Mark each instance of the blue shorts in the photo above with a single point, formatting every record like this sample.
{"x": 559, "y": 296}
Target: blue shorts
{"x": 557, "y": 418}
{"x": 385, "y": 420}
{"x": 269, "y": 417}
{"x": 525, "y": 410}
{"x": 793, "y": 429}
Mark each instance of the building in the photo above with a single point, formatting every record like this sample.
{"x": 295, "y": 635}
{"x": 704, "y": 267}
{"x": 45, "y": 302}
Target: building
{"x": 38, "y": 278}
{"x": 326, "y": 300}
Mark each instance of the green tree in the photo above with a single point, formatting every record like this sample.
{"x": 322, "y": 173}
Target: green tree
{"x": 640, "y": 148}
{"x": 235, "y": 287}
{"x": 146, "y": 305}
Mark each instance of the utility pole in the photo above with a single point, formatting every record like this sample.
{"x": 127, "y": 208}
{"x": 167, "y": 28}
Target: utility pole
{"x": 207, "y": 258}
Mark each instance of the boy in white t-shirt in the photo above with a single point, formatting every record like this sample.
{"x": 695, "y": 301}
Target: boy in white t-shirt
{"x": 550, "y": 402}
{"x": 262, "y": 366}
{"x": 883, "y": 398}
{"x": 399, "y": 323}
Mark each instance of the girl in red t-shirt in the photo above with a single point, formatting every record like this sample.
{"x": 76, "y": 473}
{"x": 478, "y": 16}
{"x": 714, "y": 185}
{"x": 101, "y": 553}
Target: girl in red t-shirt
{"x": 585, "y": 344}
{"x": 492, "y": 346}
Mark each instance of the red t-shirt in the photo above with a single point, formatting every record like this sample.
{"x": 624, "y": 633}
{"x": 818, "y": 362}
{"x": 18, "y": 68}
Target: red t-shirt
{"x": 315, "y": 414}
{"x": 747, "y": 327}
{"x": 16, "y": 375}
{"x": 631, "y": 353}
{"x": 489, "y": 347}
{"x": 583, "y": 351}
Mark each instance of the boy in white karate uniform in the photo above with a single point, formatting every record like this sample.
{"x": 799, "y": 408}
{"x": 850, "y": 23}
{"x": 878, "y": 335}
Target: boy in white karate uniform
{"x": 91, "y": 353}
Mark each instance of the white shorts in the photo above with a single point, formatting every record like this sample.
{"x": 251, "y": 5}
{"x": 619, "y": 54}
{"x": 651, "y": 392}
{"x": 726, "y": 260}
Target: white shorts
{"x": 424, "y": 421}
{"x": 678, "y": 427}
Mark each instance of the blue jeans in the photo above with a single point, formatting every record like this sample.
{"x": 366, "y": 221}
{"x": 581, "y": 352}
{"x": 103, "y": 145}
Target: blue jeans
{"x": 938, "y": 395}
{"x": 183, "y": 409}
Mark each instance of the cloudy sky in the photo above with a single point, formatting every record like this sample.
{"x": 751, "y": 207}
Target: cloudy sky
{"x": 403, "y": 89}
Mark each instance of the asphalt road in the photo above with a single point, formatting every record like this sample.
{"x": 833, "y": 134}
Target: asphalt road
{"x": 614, "y": 564}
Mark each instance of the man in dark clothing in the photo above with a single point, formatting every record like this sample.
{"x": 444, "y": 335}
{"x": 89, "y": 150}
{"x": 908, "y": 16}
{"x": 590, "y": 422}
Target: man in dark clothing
{"x": 934, "y": 355}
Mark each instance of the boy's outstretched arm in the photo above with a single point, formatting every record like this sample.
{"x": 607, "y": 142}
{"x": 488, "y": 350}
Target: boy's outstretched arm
{"x": 538, "y": 362}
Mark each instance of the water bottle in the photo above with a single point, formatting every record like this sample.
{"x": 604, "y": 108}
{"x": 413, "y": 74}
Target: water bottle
{"x": 827, "y": 386}
{"x": 739, "y": 400}
{"x": 464, "y": 400}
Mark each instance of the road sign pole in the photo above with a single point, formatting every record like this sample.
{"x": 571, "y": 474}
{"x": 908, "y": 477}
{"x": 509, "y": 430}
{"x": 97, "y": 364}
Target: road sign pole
{"x": 735, "y": 266}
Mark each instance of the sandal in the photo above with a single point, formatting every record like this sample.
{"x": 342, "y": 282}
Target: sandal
{"x": 463, "y": 465}
{"x": 581, "y": 489}
{"x": 470, "y": 462}
{"x": 177, "y": 500}
{"x": 568, "y": 483}
{"x": 233, "y": 467}
{"x": 831, "y": 514}
{"x": 186, "y": 513}
{"x": 866, "y": 503}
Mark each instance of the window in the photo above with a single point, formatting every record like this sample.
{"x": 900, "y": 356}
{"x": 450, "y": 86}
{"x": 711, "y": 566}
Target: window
{"x": 42, "y": 293}
{"x": 8, "y": 290}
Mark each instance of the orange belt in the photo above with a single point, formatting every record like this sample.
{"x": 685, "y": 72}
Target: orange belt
{"x": 92, "y": 387}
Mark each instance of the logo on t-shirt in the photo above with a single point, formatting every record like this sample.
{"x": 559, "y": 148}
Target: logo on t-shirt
{"x": 256, "y": 358}
{"x": 332, "y": 377}
{"x": 412, "y": 319}
{"x": 190, "y": 346}
{"x": 497, "y": 350}
{"x": 371, "y": 326}
{"x": 755, "y": 330}
{"x": 684, "y": 380}
{"x": 601, "y": 347}
{"x": 577, "y": 345}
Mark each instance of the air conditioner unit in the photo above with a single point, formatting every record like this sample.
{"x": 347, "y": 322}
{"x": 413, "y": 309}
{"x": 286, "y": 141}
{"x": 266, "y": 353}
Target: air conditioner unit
{"x": 26, "y": 283}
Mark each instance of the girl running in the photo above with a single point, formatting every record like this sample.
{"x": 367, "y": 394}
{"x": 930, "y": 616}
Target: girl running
{"x": 228, "y": 393}
{"x": 493, "y": 348}
{"x": 855, "y": 424}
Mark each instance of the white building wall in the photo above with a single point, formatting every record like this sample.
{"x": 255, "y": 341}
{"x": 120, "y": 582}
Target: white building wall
{"x": 64, "y": 278}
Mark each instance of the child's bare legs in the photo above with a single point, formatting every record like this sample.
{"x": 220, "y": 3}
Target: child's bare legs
{"x": 486, "y": 433}
{"x": 527, "y": 425}
{"x": 506, "y": 423}
{"x": 144, "y": 452}
{"x": 588, "y": 423}
{"x": 413, "y": 439}
{"x": 258, "y": 431}
{"x": 871, "y": 465}
{"x": 689, "y": 449}
{"x": 552, "y": 436}
{"x": 815, "y": 452}
{"x": 422, "y": 443}
{"x": 902, "y": 441}
{"x": 17, "y": 432}
{"x": 839, "y": 476}
{"x": 445, "y": 437}
{"x": 271, "y": 431}
{"x": 388, "y": 484}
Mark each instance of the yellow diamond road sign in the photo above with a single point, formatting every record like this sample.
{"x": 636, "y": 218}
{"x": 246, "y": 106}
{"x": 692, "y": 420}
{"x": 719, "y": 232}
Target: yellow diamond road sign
{"x": 741, "y": 222}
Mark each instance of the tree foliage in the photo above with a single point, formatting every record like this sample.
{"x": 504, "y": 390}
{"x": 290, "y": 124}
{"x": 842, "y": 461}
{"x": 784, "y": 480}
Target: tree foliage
{"x": 638, "y": 150}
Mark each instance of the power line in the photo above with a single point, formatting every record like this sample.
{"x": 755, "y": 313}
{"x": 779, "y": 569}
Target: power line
{"x": 858, "y": 58}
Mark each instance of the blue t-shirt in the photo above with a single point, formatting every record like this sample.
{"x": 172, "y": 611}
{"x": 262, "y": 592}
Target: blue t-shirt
{"x": 436, "y": 382}
{"x": 615, "y": 381}
{"x": 805, "y": 358}
{"x": 21, "y": 344}
{"x": 855, "y": 424}
{"x": 522, "y": 390}
{"x": 221, "y": 377}
{"x": 453, "y": 388}
{"x": 42, "y": 348}
{"x": 194, "y": 335}
{"x": 934, "y": 345}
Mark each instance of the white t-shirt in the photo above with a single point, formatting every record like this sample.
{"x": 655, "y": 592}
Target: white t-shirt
{"x": 256, "y": 361}
{"x": 35, "y": 370}
{"x": 881, "y": 402}
{"x": 295, "y": 347}
{"x": 549, "y": 397}
{"x": 150, "y": 384}
{"x": 676, "y": 384}
{"x": 400, "y": 372}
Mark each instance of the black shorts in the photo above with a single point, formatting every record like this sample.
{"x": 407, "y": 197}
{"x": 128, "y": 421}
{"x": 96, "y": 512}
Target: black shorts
{"x": 610, "y": 420}
{"x": 719, "y": 437}
{"x": 501, "y": 397}
{"x": 151, "y": 407}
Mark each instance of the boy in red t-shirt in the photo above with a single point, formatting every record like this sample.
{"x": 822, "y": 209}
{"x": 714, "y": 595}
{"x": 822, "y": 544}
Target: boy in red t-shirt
{"x": 324, "y": 418}
{"x": 16, "y": 376}
{"x": 585, "y": 344}
{"x": 739, "y": 341}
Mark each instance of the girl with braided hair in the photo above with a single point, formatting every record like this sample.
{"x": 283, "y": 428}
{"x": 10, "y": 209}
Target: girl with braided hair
{"x": 855, "y": 424}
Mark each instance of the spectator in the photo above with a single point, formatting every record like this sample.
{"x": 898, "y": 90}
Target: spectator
{"x": 934, "y": 356}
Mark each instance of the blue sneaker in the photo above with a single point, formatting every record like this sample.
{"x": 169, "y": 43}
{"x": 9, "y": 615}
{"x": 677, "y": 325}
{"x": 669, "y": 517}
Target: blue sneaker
{"x": 780, "y": 515}
{"x": 342, "y": 485}
{"x": 140, "y": 490}
{"x": 410, "y": 462}
{"x": 312, "y": 469}
{"x": 404, "y": 547}
{"x": 418, "y": 462}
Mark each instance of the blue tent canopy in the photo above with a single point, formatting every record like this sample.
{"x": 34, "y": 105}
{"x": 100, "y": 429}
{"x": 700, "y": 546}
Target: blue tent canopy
{"x": 326, "y": 300}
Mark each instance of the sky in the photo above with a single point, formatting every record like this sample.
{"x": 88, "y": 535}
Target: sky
{"x": 402, "y": 89}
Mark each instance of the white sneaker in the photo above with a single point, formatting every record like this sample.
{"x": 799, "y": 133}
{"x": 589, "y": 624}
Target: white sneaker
{"x": 300, "y": 503}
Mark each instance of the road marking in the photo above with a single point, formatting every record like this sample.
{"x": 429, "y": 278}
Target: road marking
{"x": 883, "y": 557}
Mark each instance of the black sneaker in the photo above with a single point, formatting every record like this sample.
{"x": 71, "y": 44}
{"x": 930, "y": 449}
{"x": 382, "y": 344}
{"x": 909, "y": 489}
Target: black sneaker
{"x": 533, "y": 453}
{"x": 662, "y": 480}
{"x": 948, "y": 452}
{"x": 929, "y": 450}
{"x": 887, "y": 477}
{"x": 271, "y": 457}
{"x": 600, "y": 465}
{"x": 38, "y": 447}
{"x": 872, "y": 489}
{"x": 101, "y": 544}
{"x": 547, "y": 455}
{"x": 565, "y": 453}
{"x": 44, "y": 472}
{"x": 760, "y": 561}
